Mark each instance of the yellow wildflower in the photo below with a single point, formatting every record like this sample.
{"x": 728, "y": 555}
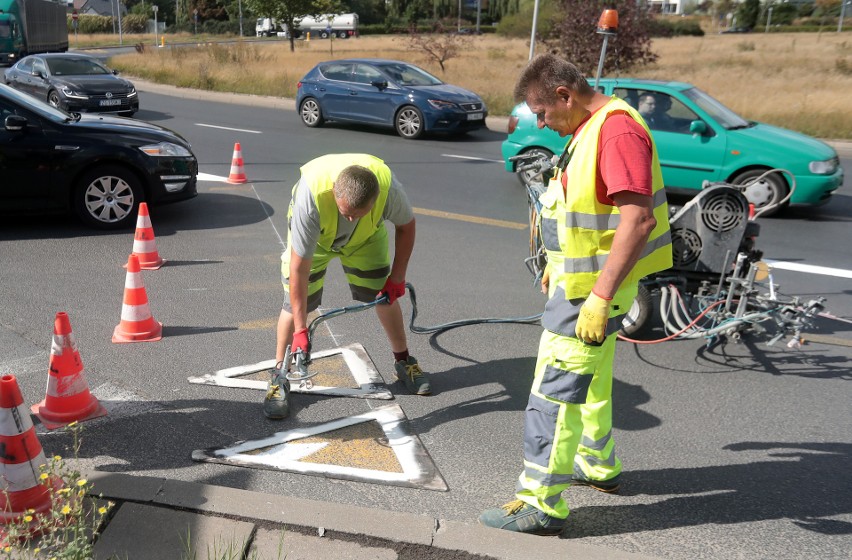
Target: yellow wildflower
{"x": 102, "y": 510}
{"x": 66, "y": 510}
{"x": 57, "y": 458}
{"x": 82, "y": 482}
{"x": 43, "y": 476}
{"x": 28, "y": 518}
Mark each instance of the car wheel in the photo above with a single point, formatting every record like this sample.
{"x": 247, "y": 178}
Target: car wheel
{"x": 409, "y": 122}
{"x": 53, "y": 98}
{"x": 310, "y": 112}
{"x": 639, "y": 316}
{"x": 526, "y": 176}
{"x": 765, "y": 193}
{"x": 108, "y": 197}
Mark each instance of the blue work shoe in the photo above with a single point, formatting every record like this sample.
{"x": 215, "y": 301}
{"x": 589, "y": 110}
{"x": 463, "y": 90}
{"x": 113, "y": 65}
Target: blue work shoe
{"x": 610, "y": 486}
{"x": 276, "y": 404}
{"x": 409, "y": 372}
{"x": 521, "y": 517}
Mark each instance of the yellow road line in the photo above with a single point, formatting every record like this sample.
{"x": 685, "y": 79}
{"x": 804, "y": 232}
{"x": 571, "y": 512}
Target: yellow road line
{"x": 825, "y": 339}
{"x": 470, "y": 219}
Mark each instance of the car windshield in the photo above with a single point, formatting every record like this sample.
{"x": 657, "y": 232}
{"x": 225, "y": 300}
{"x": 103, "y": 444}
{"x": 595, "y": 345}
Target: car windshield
{"x": 74, "y": 67}
{"x": 715, "y": 109}
{"x": 36, "y": 106}
{"x": 408, "y": 75}
{"x": 5, "y": 30}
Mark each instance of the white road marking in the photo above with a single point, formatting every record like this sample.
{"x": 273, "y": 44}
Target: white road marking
{"x": 473, "y": 158}
{"x": 810, "y": 269}
{"x": 209, "y": 177}
{"x": 229, "y": 128}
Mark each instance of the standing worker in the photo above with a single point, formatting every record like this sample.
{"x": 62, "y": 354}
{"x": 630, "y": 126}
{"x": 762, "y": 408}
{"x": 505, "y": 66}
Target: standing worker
{"x": 338, "y": 209}
{"x": 604, "y": 222}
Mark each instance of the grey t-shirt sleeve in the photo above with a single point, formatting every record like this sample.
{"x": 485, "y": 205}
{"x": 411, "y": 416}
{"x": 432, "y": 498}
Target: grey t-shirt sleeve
{"x": 304, "y": 225}
{"x": 398, "y": 209}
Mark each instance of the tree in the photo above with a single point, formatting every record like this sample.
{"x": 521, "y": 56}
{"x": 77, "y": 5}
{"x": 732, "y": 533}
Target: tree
{"x": 438, "y": 46}
{"x": 573, "y": 35}
{"x": 747, "y": 13}
{"x": 285, "y": 12}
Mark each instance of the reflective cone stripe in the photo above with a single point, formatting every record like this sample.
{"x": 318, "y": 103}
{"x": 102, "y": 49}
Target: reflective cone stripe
{"x": 237, "y": 175}
{"x": 137, "y": 324}
{"x": 144, "y": 242}
{"x": 21, "y": 458}
{"x": 67, "y": 398}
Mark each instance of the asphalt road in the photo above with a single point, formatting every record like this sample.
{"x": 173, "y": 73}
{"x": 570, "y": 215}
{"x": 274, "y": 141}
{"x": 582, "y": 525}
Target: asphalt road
{"x": 734, "y": 451}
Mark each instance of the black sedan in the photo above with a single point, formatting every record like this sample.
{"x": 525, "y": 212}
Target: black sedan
{"x": 77, "y": 83}
{"x": 387, "y": 93}
{"x": 101, "y": 167}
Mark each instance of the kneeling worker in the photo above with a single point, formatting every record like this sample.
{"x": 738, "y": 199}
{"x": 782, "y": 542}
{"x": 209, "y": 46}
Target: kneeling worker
{"x": 338, "y": 209}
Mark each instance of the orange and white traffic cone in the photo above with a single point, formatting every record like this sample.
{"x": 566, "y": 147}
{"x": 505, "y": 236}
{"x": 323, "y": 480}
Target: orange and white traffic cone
{"x": 21, "y": 494}
{"x": 144, "y": 243}
{"x": 237, "y": 174}
{"x": 137, "y": 324}
{"x": 67, "y": 398}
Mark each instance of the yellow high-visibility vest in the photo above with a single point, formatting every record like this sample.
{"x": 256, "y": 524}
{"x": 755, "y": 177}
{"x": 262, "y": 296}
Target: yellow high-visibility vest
{"x": 320, "y": 174}
{"x": 578, "y": 230}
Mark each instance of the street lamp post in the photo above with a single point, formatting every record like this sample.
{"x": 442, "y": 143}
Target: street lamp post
{"x": 534, "y": 23}
{"x": 156, "y": 31}
{"x": 768, "y": 19}
{"x": 120, "y": 36}
{"x": 842, "y": 14}
{"x": 240, "y": 5}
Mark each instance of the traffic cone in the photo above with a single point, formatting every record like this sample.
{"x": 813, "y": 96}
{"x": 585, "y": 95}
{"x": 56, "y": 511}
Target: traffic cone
{"x": 21, "y": 458}
{"x": 144, "y": 243}
{"x": 137, "y": 324}
{"x": 67, "y": 398}
{"x": 237, "y": 175}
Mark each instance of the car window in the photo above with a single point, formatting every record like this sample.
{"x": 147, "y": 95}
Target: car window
{"x": 26, "y": 65}
{"x": 337, "y": 71}
{"x": 408, "y": 75}
{"x": 715, "y": 109}
{"x": 75, "y": 67}
{"x": 5, "y": 30}
{"x": 661, "y": 111}
{"x": 365, "y": 74}
{"x": 38, "y": 66}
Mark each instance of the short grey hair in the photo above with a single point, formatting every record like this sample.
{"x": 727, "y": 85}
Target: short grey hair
{"x": 546, "y": 72}
{"x": 357, "y": 185}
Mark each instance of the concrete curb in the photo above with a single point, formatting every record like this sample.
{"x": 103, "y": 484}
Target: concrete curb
{"x": 338, "y": 519}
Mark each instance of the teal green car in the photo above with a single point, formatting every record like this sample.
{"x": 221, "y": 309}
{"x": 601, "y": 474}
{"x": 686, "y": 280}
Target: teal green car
{"x": 699, "y": 140}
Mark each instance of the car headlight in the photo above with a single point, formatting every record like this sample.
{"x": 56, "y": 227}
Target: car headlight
{"x": 73, "y": 94}
{"x": 132, "y": 92}
{"x": 439, "y": 104}
{"x": 165, "y": 149}
{"x": 826, "y": 167}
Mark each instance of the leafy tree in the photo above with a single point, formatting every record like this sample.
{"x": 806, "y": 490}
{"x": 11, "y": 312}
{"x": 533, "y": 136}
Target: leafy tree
{"x": 747, "y": 13}
{"x": 286, "y": 12}
{"x": 573, "y": 35}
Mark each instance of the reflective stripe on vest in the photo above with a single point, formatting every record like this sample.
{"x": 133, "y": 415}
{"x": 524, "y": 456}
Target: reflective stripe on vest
{"x": 320, "y": 174}
{"x": 579, "y": 230}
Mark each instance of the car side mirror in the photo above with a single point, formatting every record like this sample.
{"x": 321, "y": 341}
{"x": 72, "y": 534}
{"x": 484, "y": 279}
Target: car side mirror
{"x": 38, "y": 74}
{"x": 115, "y": 72}
{"x": 15, "y": 123}
{"x": 697, "y": 128}
{"x": 380, "y": 84}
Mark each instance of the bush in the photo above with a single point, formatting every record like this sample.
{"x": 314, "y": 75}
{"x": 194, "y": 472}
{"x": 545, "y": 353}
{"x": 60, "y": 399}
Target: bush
{"x": 91, "y": 24}
{"x": 667, "y": 27}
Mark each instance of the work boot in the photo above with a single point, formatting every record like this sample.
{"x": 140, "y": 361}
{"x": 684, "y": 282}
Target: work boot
{"x": 521, "y": 517}
{"x": 409, "y": 372}
{"x": 276, "y": 404}
{"x": 609, "y": 486}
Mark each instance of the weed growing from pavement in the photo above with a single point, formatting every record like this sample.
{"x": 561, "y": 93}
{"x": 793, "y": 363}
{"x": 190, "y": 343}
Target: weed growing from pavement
{"x": 229, "y": 550}
{"x": 65, "y": 531}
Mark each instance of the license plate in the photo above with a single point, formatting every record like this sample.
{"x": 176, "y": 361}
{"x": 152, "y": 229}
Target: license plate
{"x": 474, "y": 116}
{"x": 108, "y": 102}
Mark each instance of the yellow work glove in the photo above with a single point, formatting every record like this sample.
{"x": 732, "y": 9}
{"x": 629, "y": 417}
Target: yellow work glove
{"x": 591, "y": 324}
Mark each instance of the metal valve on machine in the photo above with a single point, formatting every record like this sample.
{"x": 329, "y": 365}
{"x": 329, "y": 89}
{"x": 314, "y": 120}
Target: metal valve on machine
{"x": 296, "y": 368}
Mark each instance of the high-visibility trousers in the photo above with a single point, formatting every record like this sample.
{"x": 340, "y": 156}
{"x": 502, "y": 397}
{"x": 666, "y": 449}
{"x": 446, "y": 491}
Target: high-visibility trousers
{"x": 568, "y": 419}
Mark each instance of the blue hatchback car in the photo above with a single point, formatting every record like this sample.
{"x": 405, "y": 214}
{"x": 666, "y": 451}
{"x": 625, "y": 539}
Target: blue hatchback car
{"x": 387, "y": 93}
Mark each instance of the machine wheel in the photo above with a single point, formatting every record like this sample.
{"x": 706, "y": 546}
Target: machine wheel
{"x": 526, "y": 176}
{"x": 769, "y": 191}
{"x": 342, "y": 35}
{"x": 53, "y": 98}
{"x": 310, "y": 112}
{"x": 323, "y": 34}
{"x": 409, "y": 122}
{"x": 639, "y": 316}
{"x": 108, "y": 197}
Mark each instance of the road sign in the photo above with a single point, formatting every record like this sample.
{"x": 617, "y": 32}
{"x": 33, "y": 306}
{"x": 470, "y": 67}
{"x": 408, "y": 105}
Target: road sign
{"x": 74, "y": 15}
